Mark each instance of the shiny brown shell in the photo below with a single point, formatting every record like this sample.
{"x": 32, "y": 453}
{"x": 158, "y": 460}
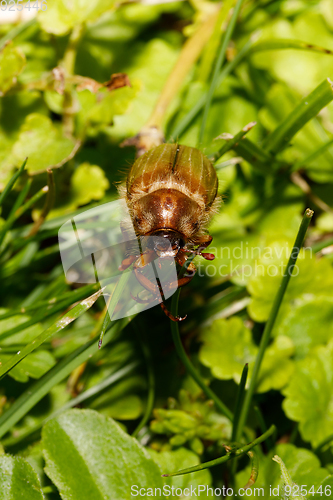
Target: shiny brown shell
{"x": 177, "y": 167}
{"x": 172, "y": 187}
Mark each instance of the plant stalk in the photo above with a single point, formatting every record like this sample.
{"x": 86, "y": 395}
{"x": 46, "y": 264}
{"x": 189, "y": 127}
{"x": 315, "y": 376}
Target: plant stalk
{"x": 187, "y": 363}
{"x": 272, "y": 317}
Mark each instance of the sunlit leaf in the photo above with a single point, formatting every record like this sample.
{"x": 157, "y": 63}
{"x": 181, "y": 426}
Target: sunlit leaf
{"x": 18, "y": 480}
{"x": 309, "y": 395}
{"x": 89, "y": 456}
{"x": 42, "y": 142}
{"x": 61, "y": 16}
{"x": 88, "y": 183}
{"x": 33, "y": 366}
{"x": 228, "y": 345}
{"x": 171, "y": 461}
{"x": 12, "y": 61}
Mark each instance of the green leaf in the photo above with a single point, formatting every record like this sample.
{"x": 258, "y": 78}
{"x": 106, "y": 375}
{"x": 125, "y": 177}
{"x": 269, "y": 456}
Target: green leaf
{"x": 306, "y": 314}
{"x": 147, "y": 74}
{"x": 89, "y": 456}
{"x": 228, "y": 345}
{"x": 303, "y": 466}
{"x": 307, "y": 109}
{"x": 277, "y": 367}
{"x": 88, "y": 183}
{"x": 309, "y": 395}
{"x": 171, "y": 461}
{"x": 18, "y": 480}
{"x": 33, "y": 366}
{"x": 12, "y": 62}
{"x": 59, "y": 325}
{"x": 325, "y": 489}
{"x": 61, "y": 16}
{"x": 61, "y": 370}
{"x": 23, "y": 336}
{"x": 113, "y": 103}
{"x": 43, "y": 142}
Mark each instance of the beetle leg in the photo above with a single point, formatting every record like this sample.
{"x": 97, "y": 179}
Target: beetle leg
{"x": 145, "y": 282}
{"x": 141, "y": 260}
{"x": 171, "y": 316}
{"x": 127, "y": 262}
{"x": 151, "y": 287}
{"x": 142, "y": 301}
{"x": 203, "y": 243}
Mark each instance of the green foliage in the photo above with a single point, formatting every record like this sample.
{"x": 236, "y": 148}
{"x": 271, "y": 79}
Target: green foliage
{"x": 309, "y": 395}
{"x": 42, "y": 142}
{"x": 61, "y": 106}
{"x": 60, "y": 17}
{"x": 18, "y": 480}
{"x": 303, "y": 468}
{"x": 226, "y": 360}
{"x": 12, "y": 61}
{"x": 190, "y": 421}
{"x": 87, "y": 440}
{"x": 181, "y": 459}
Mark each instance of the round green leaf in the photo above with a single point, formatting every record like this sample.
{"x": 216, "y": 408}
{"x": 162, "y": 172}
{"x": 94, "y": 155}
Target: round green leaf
{"x": 88, "y": 456}
{"x": 306, "y": 313}
{"x": 18, "y": 480}
{"x": 171, "y": 461}
{"x": 310, "y": 393}
{"x": 88, "y": 183}
{"x": 228, "y": 345}
{"x": 42, "y": 142}
{"x": 61, "y": 16}
{"x": 34, "y": 365}
{"x": 12, "y": 61}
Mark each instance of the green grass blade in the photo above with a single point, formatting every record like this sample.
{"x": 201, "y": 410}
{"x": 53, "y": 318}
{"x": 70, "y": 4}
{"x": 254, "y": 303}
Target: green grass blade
{"x": 308, "y": 108}
{"x": 231, "y": 141}
{"x": 60, "y": 371}
{"x": 263, "y": 426}
{"x": 187, "y": 363}
{"x": 12, "y": 181}
{"x": 312, "y": 156}
{"x": 70, "y": 316}
{"x": 117, "y": 375}
{"x": 220, "y": 59}
{"x": 229, "y": 456}
{"x": 254, "y": 154}
{"x": 192, "y": 113}
{"x": 17, "y": 213}
{"x": 239, "y": 402}
{"x": 285, "y": 43}
{"x": 212, "y": 47}
{"x": 47, "y": 312}
{"x": 19, "y": 28}
{"x": 273, "y": 315}
{"x": 66, "y": 299}
{"x": 21, "y": 197}
{"x": 150, "y": 379}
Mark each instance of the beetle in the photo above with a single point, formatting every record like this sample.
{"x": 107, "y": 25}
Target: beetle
{"x": 171, "y": 193}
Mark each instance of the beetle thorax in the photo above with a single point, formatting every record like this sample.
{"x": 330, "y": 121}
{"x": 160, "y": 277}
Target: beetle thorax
{"x": 166, "y": 209}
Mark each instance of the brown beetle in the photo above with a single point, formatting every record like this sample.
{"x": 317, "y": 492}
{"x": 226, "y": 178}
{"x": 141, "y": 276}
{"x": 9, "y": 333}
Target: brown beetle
{"x": 171, "y": 193}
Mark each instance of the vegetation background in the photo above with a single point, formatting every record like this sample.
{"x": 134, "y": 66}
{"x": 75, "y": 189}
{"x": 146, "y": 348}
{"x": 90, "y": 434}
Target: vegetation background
{"x": 59, "y": 108}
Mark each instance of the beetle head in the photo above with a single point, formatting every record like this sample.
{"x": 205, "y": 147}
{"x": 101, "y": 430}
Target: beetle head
{"x": 166, "y": 242}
